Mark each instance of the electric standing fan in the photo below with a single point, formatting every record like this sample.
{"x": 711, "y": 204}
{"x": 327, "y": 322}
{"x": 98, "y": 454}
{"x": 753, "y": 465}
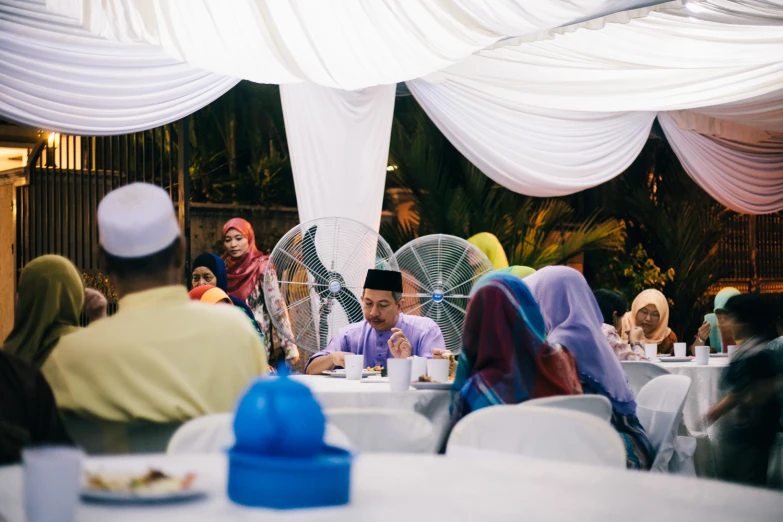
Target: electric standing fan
{"x": 315, "y": 276}
{"x": 438, "y": 272}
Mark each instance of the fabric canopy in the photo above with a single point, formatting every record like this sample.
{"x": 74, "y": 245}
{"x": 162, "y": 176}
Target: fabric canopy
{"x": 339, "y": 146}
{"x": 55, "y": 75}
{"x": 347, "y": 44}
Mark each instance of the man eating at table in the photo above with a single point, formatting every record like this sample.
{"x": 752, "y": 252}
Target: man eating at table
{"x": 385, "y": 332}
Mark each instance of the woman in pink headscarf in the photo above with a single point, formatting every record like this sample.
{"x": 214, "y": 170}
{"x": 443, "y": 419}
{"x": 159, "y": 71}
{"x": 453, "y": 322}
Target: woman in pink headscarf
{"x": 245, "y": 266}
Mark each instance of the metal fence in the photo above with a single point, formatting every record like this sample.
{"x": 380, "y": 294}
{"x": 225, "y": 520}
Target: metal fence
{"x": 67, "y": 176}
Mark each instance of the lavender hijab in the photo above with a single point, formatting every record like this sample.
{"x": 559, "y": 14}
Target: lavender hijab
{"x": 573, "y": 320}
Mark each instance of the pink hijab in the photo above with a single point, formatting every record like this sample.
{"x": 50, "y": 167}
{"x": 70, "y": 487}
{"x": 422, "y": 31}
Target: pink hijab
{"x": 244, "y": 273}
{"x": 647, "y": 297}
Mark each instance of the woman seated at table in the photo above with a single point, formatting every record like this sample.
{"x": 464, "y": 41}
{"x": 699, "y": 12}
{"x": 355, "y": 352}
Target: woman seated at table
{"x": 751, "y": 409}
{"x": 613, "y": 307}
{"x": 505, "y": 359}
{"x": 650, "y": 312}
{"x": 210, "y": 271}
{"x": 573, "y": 321}
{"x": 720, "y": 338}
{"x": 51, "y": 299}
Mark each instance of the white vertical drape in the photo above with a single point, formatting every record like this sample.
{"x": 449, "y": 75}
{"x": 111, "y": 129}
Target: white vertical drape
{"x": 339, "y": 146}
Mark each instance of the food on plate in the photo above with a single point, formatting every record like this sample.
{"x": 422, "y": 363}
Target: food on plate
{"x": 425, "y": 378}
{"x": 152, "y": 481}
{"x": 376, "y": 368}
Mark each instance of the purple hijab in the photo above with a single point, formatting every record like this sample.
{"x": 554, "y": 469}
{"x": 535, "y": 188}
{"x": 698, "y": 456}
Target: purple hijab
{"x": 573, "y": 320}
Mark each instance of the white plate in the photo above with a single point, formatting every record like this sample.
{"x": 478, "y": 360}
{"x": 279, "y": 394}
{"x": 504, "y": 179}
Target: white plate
{"x": 664, "y": 355}
{"x": 431, "y": 385}
{"x": 719, "y": 355}
{"x": 677, "y": 359}
{"x": 143, "y": 497}
{"x": 341, "y": 373}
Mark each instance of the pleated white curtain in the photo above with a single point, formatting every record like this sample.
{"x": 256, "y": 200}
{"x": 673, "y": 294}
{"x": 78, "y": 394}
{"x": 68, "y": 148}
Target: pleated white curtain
{"x": 347, "y": 44}
{"x": 55, "y": 75}
{"x": 339, "y": 147}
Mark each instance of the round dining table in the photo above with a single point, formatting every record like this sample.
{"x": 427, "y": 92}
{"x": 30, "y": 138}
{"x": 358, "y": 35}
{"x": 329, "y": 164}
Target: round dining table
{"x": 370, "y": 392}
{"x": 396, "y": 487}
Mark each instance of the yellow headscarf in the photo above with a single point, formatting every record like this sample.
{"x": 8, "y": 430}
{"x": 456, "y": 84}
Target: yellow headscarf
{"x": 490, "y": 245}
{"x": 51, "y": 296}
{"x": 519, "y": 271}
{"x": 647, "y": 297}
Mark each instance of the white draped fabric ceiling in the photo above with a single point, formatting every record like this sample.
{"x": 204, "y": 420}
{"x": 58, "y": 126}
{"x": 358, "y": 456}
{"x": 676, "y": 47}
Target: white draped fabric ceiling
{"x": 546, "y": 98}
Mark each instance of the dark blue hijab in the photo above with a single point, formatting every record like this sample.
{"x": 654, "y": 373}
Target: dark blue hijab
{"x": 218, "y": 267}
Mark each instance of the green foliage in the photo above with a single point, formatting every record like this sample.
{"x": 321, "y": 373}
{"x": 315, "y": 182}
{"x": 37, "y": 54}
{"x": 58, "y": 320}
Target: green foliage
{"x": 451, "y": 196}
{"x": 679, "y": 225}
{"x": 632, "y": 271}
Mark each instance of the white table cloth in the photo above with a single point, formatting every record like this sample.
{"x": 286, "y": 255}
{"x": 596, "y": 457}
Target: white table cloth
{"x": 704, "y": 392}
{"x": 335, "y": 392}
{"x": 406, "y": 488}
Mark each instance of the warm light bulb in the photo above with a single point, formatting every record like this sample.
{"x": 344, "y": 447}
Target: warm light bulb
{"x": 51, "y": 138}
{"x": 391, "y": 168}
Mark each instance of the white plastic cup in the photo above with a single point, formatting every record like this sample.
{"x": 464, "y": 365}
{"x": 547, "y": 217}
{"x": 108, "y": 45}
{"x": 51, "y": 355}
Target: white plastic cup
{"x": 438, "y": 369}
{"x": 52, "y": 480}
{"x": 731, "y": 349}
{"x": 679, "y": 349}
{"x": 651, "y": 350}
{"x": 354, "y": 365}
{"x": 418, "y": 367}
{"x": 399, "y": 372}
{"x": 702, "y": 355}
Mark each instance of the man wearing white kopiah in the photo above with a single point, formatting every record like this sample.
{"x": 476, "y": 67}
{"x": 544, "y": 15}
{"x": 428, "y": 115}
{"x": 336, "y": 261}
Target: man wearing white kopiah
{"x": 385, "y": 332}
{"x": 161, "y": 357}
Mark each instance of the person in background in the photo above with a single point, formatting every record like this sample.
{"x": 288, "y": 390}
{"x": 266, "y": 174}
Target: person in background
{"x": 573, "y": 321}
{"x": 245, "y": 266}
{"x": 210, "y": 295}
{"x": 28, "y": 413}
{"x": 490, "y": 245}
{"x": 51, "y": 298}
{"x": 384, "y": 333}
{"x": 519, "y": 271}
{"x": 650, "y": 311}
{"x": 613, "y": 306}
{"x": 719, "y": 338}
{"x": 162, "y": 357}
{"x": 505, "y": 359}
{"x": 210, "y": 270}
{"x": 750, "y": 412}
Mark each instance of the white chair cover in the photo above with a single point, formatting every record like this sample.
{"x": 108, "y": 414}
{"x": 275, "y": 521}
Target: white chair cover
{"x": 597, "y": 405}
{"x": 659, "y": 408}
{"x": 545, "y": 433}
{"x": 215, "y": 433}
{"x": 640, "y": 373}
{"x": 377, "y": 430}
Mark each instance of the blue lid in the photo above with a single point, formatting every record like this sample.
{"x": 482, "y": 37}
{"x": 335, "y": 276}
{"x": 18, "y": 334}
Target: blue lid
{"x": 279, "y": 416}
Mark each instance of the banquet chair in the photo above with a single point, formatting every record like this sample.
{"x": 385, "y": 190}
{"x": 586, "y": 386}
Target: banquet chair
{"x": 596, "y": 405}
{"x": 640, "y": 373}
{"x": 215, "y": 433}
{"x": 380, "y": 430}
{"x": 544, "y": 433}
{"x": 659, "y": 409}
{"x": 101, "y": 437}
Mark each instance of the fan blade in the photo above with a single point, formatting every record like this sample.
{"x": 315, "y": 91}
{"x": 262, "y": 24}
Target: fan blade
{"x": 351, "y": 305}
{"x": 310, "y": 258}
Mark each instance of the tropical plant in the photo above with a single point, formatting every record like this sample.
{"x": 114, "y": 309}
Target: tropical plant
{"x": 629, "y": 272}
{"x": 679, "y": 225}
{"x": 451, "y": 196}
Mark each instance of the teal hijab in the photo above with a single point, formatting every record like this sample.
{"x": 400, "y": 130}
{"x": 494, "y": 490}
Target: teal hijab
{"x": 716, "y": 340}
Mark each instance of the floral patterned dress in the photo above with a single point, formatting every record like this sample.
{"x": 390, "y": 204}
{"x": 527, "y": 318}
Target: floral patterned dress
{"x": 277, "y": 345}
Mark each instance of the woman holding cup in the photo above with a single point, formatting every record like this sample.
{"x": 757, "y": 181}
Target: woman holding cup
{"x": 650, "y": 314}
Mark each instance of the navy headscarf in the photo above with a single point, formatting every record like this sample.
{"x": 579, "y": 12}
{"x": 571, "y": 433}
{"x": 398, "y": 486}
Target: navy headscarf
{"x": 216, "y": 265}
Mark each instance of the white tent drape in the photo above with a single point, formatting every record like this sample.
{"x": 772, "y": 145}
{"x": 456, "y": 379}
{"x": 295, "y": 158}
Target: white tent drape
{"x": 339, "y": 146}
{"x": 55, "y": 75}
{"x": 671, "y": 59}
{"x": 535, "y": 151}
{"x": 743, "y": 176}
{"x": 347, "y": 44}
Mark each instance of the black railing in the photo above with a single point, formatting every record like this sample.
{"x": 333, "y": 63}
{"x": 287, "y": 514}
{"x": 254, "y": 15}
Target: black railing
{"x": 67, "y": 176}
